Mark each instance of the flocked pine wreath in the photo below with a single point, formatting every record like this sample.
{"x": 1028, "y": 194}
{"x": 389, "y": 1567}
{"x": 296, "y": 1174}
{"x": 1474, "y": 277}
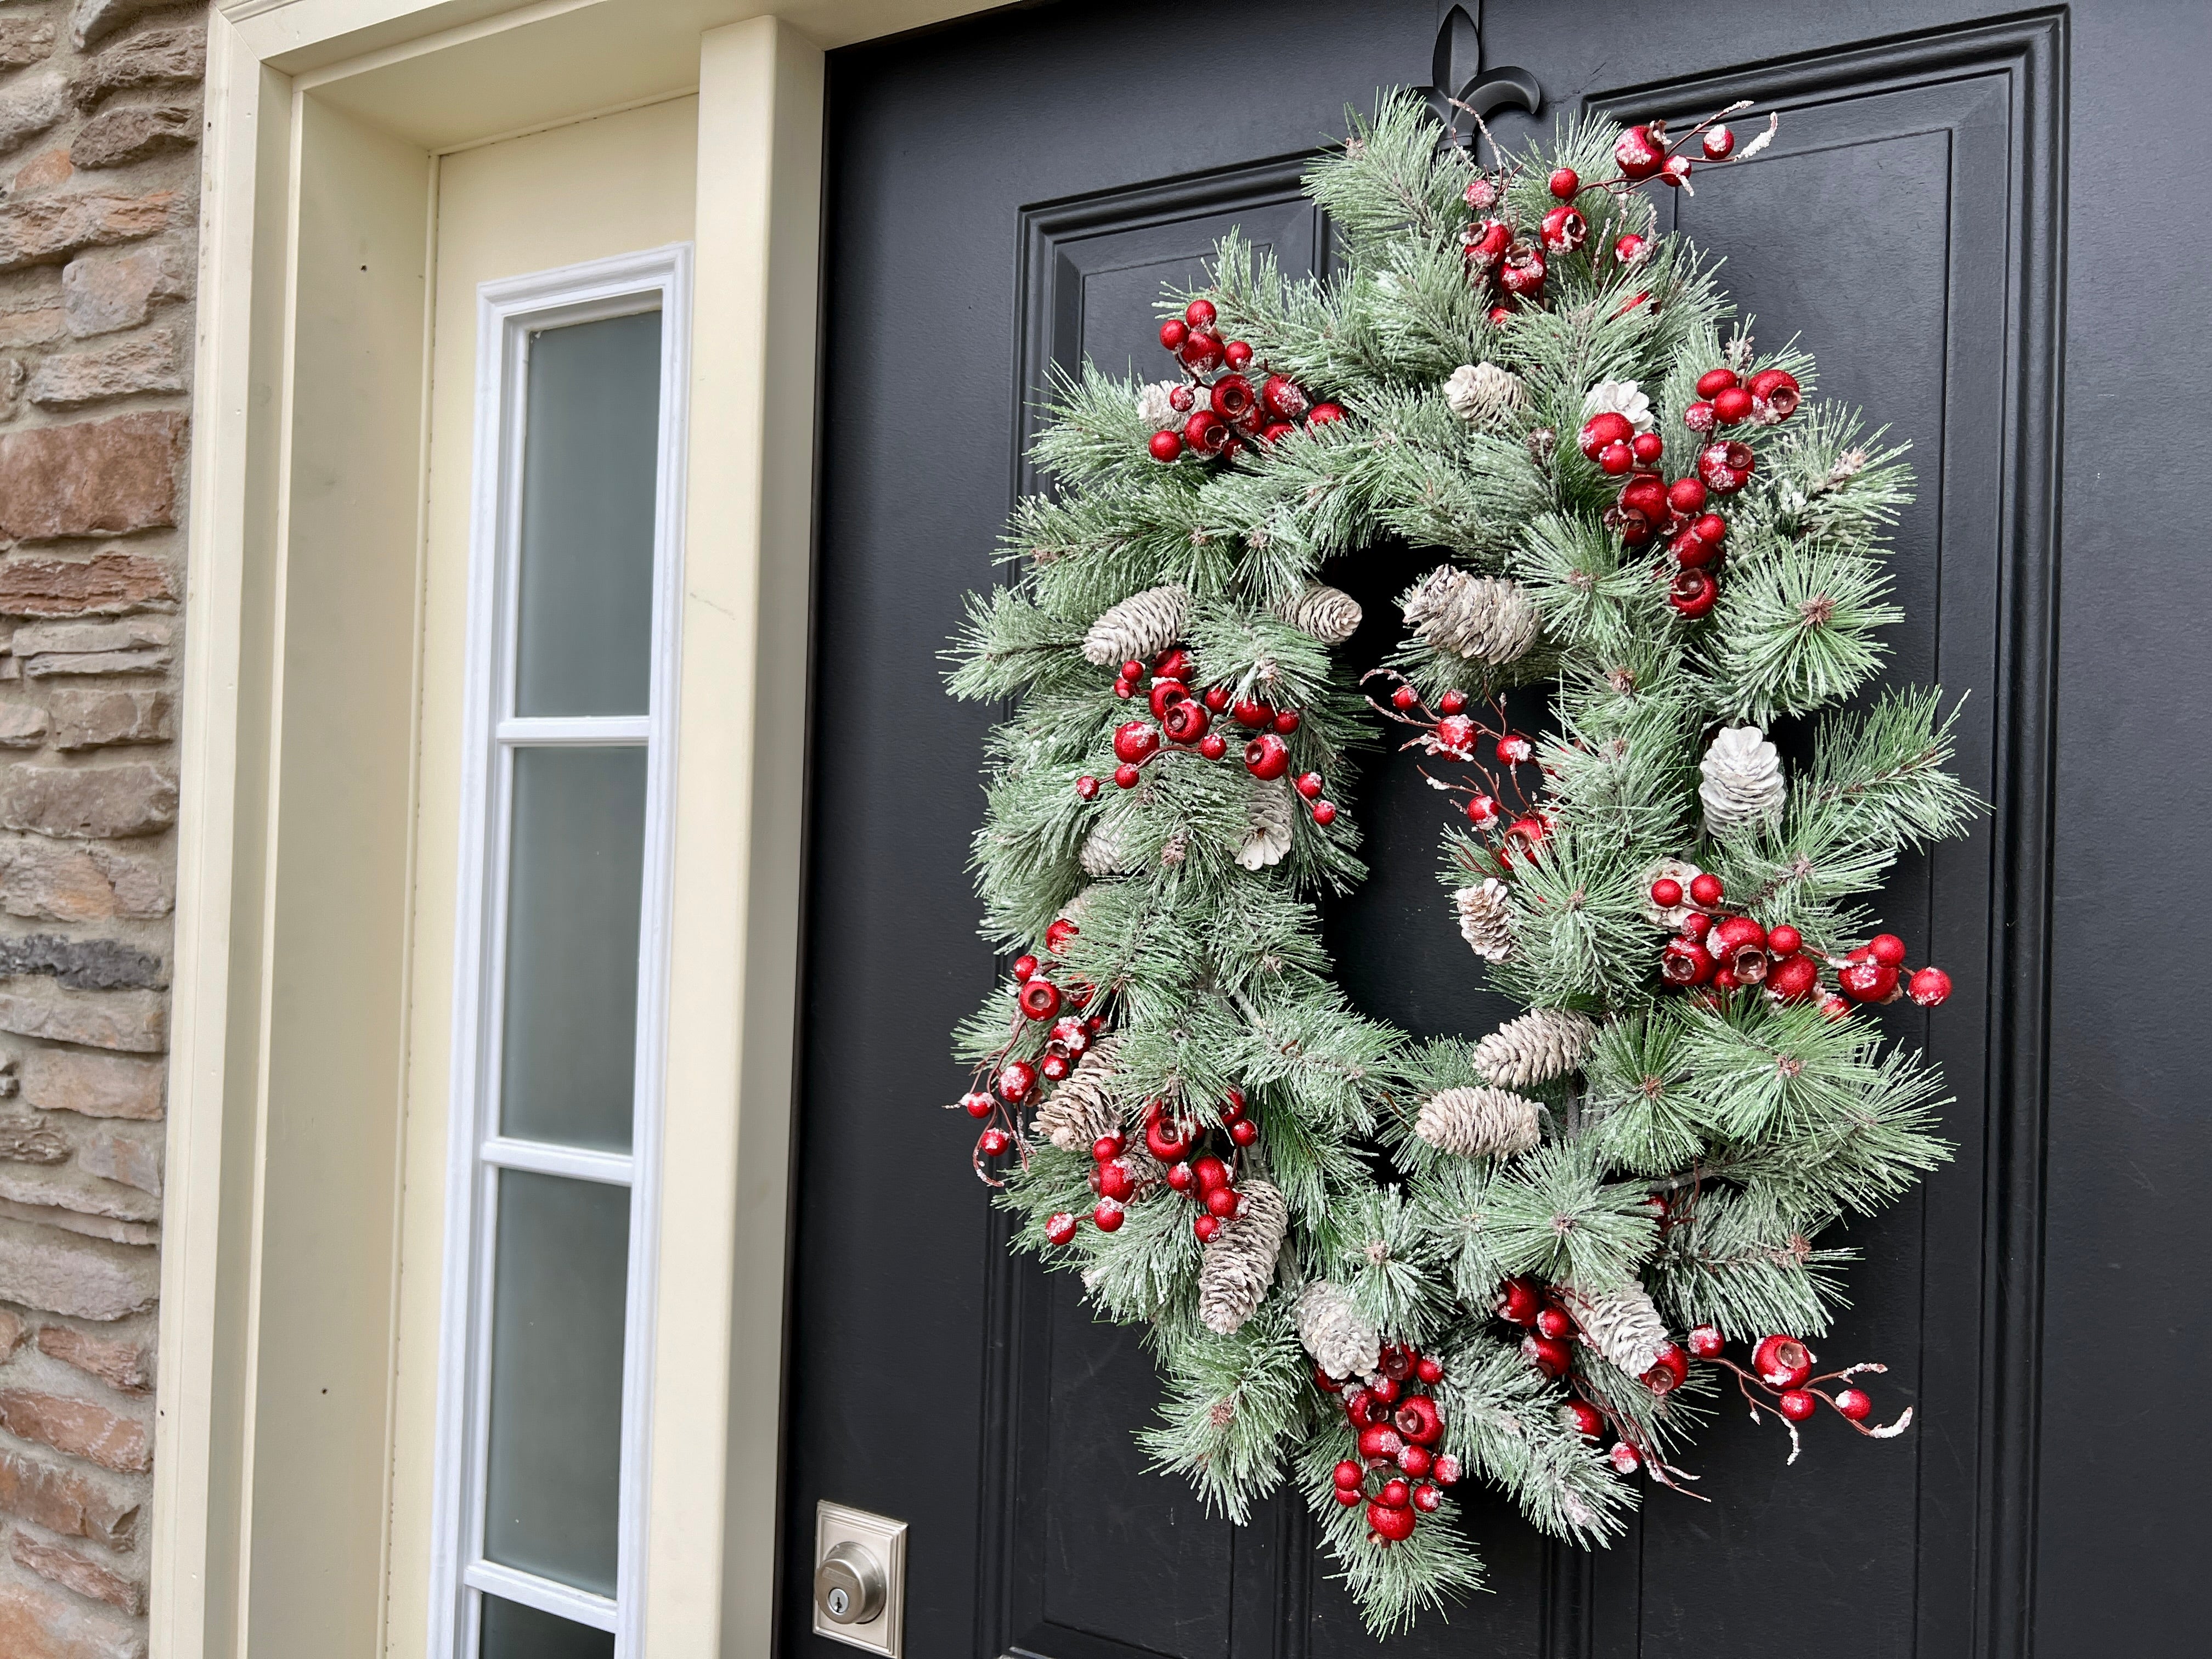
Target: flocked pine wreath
{"x": 1370, "y": 1266}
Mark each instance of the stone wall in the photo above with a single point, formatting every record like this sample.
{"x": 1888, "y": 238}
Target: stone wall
{"x": 99, "y": 122}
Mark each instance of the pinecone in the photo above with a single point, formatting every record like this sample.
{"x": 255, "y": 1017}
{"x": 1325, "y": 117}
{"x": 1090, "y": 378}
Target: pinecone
{"x": 1329, "y": 613}
{"x": 1342, "y": 1340}
{"x": 1239, "y": 1262}
{"x": 1743, "y": 782}
{"x": 1486, "y": 918}
{"x": 1082, "y": 1107}
{"x": 1536, "y": 1047}
{"x": 1141, "y": 627}
{"x": 1485, "y": 619}
{"x": 1672, "y": 915}
{"x": 1268, "y": 840}
{"x": 1478, "y": 1122}
{"x": 1621, "y": 1324}
{"x": 1153, "y": 408}
{"x": 1483, "y": 394}
{"x": 1102, "y": 853}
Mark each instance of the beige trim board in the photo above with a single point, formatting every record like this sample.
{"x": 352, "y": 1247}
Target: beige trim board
{"x": 275, "y": 1503}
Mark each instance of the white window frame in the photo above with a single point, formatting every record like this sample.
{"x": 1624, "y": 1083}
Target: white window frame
{"x": 508, "y": 311}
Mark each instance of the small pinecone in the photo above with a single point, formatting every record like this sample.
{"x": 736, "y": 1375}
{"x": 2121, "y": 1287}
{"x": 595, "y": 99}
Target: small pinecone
{"x": 1141, "y": 627}
{"x": 1082, "y": 1107}
{"x": 1478, "y": 1122}
{"x": 1329, "y": 613}
{"x": 1153, "y": 408}
{"x": 1671, "y": 916}
{"x": 1342, "y": 1340}
{"x": 1269, "y": 840}
{"x": 1536, "y": 1048}
{"x": 1483, "y": 394}
{"x": 1621, "y": 1324}
{"x": 1485, "y": 619}
{"x": 1079, "y": 907}
{"x": 1743, "y": 782}
{"x": 1102, "y": 853}
{"x": 1486, "y": 918}
{"x": 1239, "y": 1261}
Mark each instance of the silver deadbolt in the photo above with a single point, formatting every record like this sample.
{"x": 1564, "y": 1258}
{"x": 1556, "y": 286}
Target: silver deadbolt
{"x": 848, "y": 1585}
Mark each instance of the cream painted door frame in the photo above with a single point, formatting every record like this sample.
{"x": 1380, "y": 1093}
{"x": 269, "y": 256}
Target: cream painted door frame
{"x": 279, "y": 1479}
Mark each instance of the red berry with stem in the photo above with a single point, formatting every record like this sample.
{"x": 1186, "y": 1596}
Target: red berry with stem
{"x": 1017, "y": 1081}
{"x": 1565, "y": 182}
{"x": 1206, "y": 1226}
{"x": 1244, "y": 1132}
{"x": 1696, "y": 925}
{"x": 1714, "y": 380}
{"x": 1929, "y": 988}
{"x": 1324, "y": 814}
{"x": 1200, "y": 313}
{"x": 1793, "y": 978}
{"x": 1706, "y": 1342}
{"x": 1451, "y": 702}
{"x": 1086, "y": 788}
{"x": 1040, "y": 998}
{"x": 1699, "y": 417}
{"x": 1405, "y": 698}
{"x": 1166, "y": 446}
{"x": 1582, "y": 1418}
{"x": 1707, "y": 889}
{"x": 1426, "y": 1498}
{"x": 1855, "y": 1405}
{"x": 1779, "y": 389}
{"x": 1482, "y": 811}
{"x": 1124, "y": 776}
{"x": 1624, "y": 1459}
{"x": 1514, "y": 749}
{"x": 1784, "y": 940}
{"x": 1718, "y": 143}
{"x": 1396, "y": 1494}
{"x": 1670, "y": 1370}
{"x": 1115, "y": 1182}
{"x": 1349, "y": 1495}
{"x": 976, "y": 1103}
{"x": 1675, "y": 170}
{"x": 1181, "y": 1177}
{"x": 1251, "y": 712}
{"x": 1665, "y": 892}
{"x": 1562, "y": 230}
{"x": 1395, "y": 1525}
{"x": 992, "y": 1142}
{"x": 1796, "y": 1404}
{"x": 1637, "y": 154}
{"x": 1309, "y": 785}
{"x": 1211, "y": 1172}
{"x": 1781, "y": 1362}
{"x": 1685, "y": 496}
{"x": 1201, "y": 351}
{"x": 1105, "y": 1149}
{"x": 1059, "y": 1228}
{"x": 1223, "y": 1201}
{"x": 1107, "y": 1215}
{"x": 1135, "y": 740}
{"x": 1213, "y": 745}
{"x": 1684, "y": 962}
{"x": 1281, "y": 397}
{"x": 1554, "y": 1323}
{"x": 1349, "y": 1476}
{"x": 1726, "y": 467}
{"x": 1267, "y": 757}
{"x": 1887, "y": 949}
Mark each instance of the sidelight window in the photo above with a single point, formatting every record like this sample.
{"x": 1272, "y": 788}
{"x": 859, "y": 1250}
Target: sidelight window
{"x": 545, "y": 1363}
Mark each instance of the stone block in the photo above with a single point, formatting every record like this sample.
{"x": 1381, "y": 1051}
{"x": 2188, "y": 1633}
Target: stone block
{"x": 54, "y": 880}
{"x": 95, "y": 719}
{"x": 62, "y": 1501}
{"x": 82, "y": 1277}
{"x": 134, "y": 1021}
{"x": 103, "y": 1227}
{"x": 11, "y": 1333}
{"x": 91, "y": 477}
{"x": 119, "y": 1364}
{"x": 93, "y": 21}
{"x": 25, "y": 1139}
{"x": 145, "y": 362}
{"x": 158, "y": 56}
{"x": 45, "y": 170}
{"x": 135, "y": 1160}
{"x": 76, "y": 1194}
{"x": 12, "y": 378}
{"x": 54, "y": 227}
{"x": 134, "y": 798}
{"x": 106, "y": 584}
{"x": 28, "y": 40}
{"x": 134, "y": 645}
{"x": 83, "y": 964}
{"x": 30, "y": 104}
{"x": 115, "y": 137}
{"x": 36, "y": 1625}
{"x": 93, "y": 1085}
{"x": 82, "y": 1428}
{"x": 104, "y": 292}
{"x": 75, "y": 1570}
{"x": 22, "y": 725}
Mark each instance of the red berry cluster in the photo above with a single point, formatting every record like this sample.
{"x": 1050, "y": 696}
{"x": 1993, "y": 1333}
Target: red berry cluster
{"x": 1781, "y": 1376}
{"x": 1722, "y": 952}
{"x": 1682, "y": 512}
{"x": 1183, "y": 724}
{"x": 1228, "y": 413}
{"x": 1447, "y": 730}
{"x": 1647, "y": 152}
{"x": 1398, "y": 1470}
{"x": 1538, "y": 1310}
{"x": 1206, "y": 1178}
{"x": 1004, "y": 1084}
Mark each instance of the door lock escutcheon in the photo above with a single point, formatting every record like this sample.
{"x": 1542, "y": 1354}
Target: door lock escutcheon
{"x": 859, "y": 1578}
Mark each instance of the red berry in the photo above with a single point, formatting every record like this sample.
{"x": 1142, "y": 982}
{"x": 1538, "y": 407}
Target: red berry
{"x": 1225, "y": 1202}
{"x": 1185, "y": 722}
{"x": 1166, "y": 446}
{"x": 1244, "y": 1132}
{"x": 1233, "y": 399}
{"x": 1451, "y": 702}
{"x": 1134, "y": 740}
{"x": 1380, "y": 1440}
{"x": 1685, "y": 496}
{"x": 1105, "y": 1149}
{"x": 1867, "y": 981}
{"x": 1718, "y": 141}
{"x": 1781, "y": 1362}
{"x": 1887, "y": 949}
{"x": 1287, "y": 721}
{"x": 1054, "y": 1066}
{"x": 1706, "y": 889}
{"x": 1694, "y": 592}
{"x": 1835, "y": 1007}
{"x": 1430, "y": 1370}
{"x": 1710, "y": 527}
{"x": 1040, "y": 998}
{"x": 1415, "y": 1460}
{"x": 1211, "y": 1172}
{"x": 1426, "y": 1498}
{"x": 1513, "y": 749}
{"x": 1281, "y": 397}
{"x": 1309, "y": 785}
{"x": 1784, "y": 940}
{"x": 1213, "y": 745}
{"x": 1726, "y": 467}
{"x": 1395, "y": 1525}
{"x": 1779, "y": 389}
{"x": 1324, "y": 814}
{"x": 1582, "y": 1418}
{"x": 1267, "y": 757}
{"x": 1714, "y": 380}
{"x": 1796, "y": 1404}
{"x": 1233, "y": 1107}
{"x": 1349, "y": 1475}
{"x": 1348, "y": 1496}
{"x": 1699, "y": 417}
{"x": 1498, "y": 316}
{"x": 1276, "y": 431}
{"x": 1615, "y": 459}
{"x": 1182, "y": 400}
{"x": 1630, "y": 248}
{"x": 1419, "y": 1420}
{"x": 1731, "y": 405}
{"x": 1517, "y": 1301}
{"x": 1638, "y": 157}
{"x": 1174, "y": 332}
{"x": 1793, "y": 978}
{"x": 1854, "y": 1404}
{"x": 1562, "y": 229}
{"x": 1565, "y": 183}
{"x": 1017, "y": 1081}
{"x": 1665, "y": 892}
{"x": 1706, "y": 1342}
{"x": 1554, "y": 1323}
{"x": 1675, "y": 170}
{"x": 1684, "y": 962}
{"x": 1216, "y": 699}
{"x": 1928, "y": 987}
{"x": 1059, "y": 1228}
{"x": 1647, "y": 447}
{"x": 1124, "y": 776}
{"x": 1736, "y": 931}
{"x": 1486, "y": 243}
{"x": 1522, "y": 274}
{"x": 1551, "y": 1358}
{"x": 1405, "y": 698}
{"x": 976, "y": 1103}
{"x": 1200, "y": 313}
{"x": 1025, "y": 967}
{"x": 1206, "y": 1226}
{"x": 1180, "y": 1178}
{"x": 1669, "y": 1371}
{"x": 1086, "y": 788}
{"x": 1384, "y": 1389}
{"x": 1644, "y": 493}
{"x": 1624, "y": 1459}
{"x": 1482, "y": 811}
{"x": 992, "y": 1142}
{"x": 1697, "y": 924}
{"x": 1250, "y": 711}
{"x": 1606, "y": 427}
{"x": 1236, "y": 354}
{"x": 1107, "y": 1216}
{"x": 1166, "y": 690}
{"x": 1115, "y": 1182}
{"x": 1324, "y": 413}
{"x": 1396, "y": 1494}
{"x": 1201, "y": 351}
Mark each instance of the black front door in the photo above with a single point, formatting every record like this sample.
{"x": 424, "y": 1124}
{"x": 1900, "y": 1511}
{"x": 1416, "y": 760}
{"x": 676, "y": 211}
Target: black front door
{"x": 1008, "y": 194}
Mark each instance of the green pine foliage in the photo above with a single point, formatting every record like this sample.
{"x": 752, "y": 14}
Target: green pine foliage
{"x": 1759, "y": 1123}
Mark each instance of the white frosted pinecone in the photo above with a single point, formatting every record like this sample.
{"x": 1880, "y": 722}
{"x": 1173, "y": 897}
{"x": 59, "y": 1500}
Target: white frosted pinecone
{"x": 1102, "y": 853}
{"x": 1478, "y": 1122}
{"x": 1621, "y": 1324}
{"x": 1623, "y": 398}
{"x": 1141, "y": 627}
{"x": 1670, "y": 915}
{"x": 1329, "y": 613}
{"x": 1485, "y": 619}
{"x": 1343, "y": 1341}
{"x": 1238, "y": 1263}
{"x": 1153, "y": 408}
{"x": 1743, "y": 783}
{"x": 1540, "y": 1045}
{"x": 1485, "y": 918}
{"x": 1268, "y": 840}
{"x": 1483, "y": 394}
{"x": 1083, "y": 1106}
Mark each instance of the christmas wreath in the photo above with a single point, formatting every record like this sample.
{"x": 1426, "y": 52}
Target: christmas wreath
{"x": 1372, "y": 1266}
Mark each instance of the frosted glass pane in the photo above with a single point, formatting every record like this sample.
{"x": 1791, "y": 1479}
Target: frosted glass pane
{"x": 588, "y": 455}
{"x": 552, "y": 1492}
{"x": 575, "y": 884}
{"x": 511, "y": 1631}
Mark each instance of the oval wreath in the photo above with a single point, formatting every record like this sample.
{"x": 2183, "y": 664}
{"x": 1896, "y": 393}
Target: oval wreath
{"x": 1379, "y": 1266}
